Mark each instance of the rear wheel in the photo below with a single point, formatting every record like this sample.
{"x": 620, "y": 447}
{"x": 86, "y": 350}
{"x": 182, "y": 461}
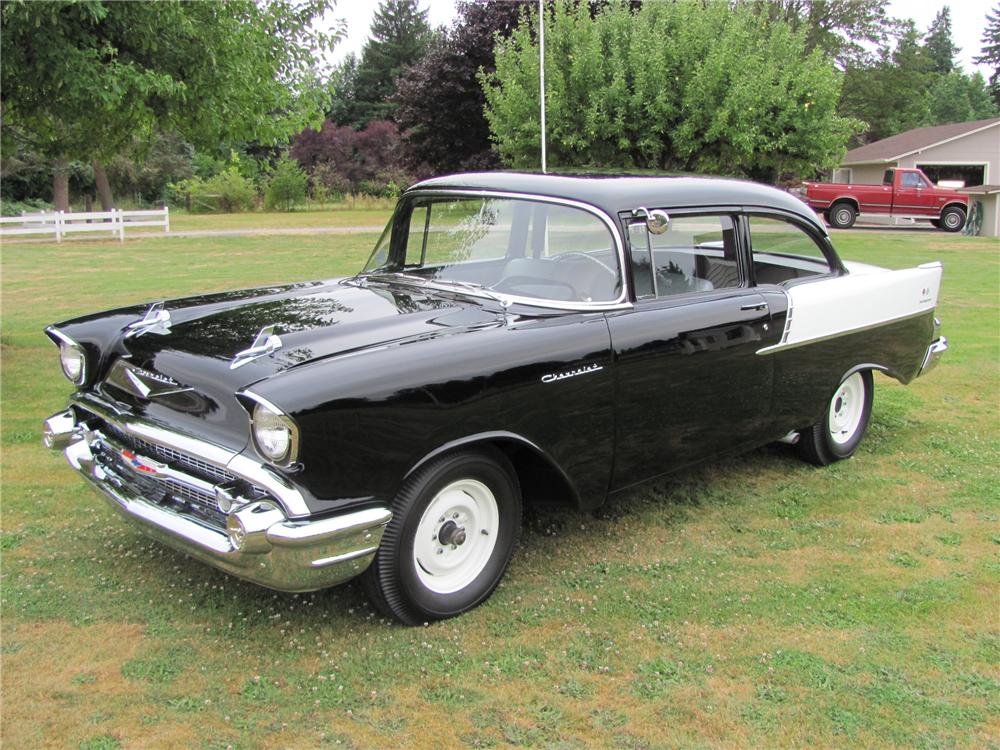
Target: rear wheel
{"x": 454, "y": 527}
{"x": 952, "y": 219}
{"x": 842, "y": 215}
{"x": 838, "y": 434}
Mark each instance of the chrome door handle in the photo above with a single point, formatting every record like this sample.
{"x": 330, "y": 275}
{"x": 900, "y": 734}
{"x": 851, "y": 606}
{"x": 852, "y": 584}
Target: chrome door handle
{"x": 754, "y": 306}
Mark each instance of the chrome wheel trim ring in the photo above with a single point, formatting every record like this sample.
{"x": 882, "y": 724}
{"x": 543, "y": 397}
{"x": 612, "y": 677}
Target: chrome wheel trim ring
{"x": 843, "y": 216}
{"x": 952, "y": 219}
{"x": 846, "y": 409}
{"x": 469, "y": 505}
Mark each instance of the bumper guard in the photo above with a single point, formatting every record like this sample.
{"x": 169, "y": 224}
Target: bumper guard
{"x": 260, "y": 543}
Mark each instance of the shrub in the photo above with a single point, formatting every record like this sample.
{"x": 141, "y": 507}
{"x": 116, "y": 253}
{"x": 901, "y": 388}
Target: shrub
{"x": 227, "y": 191}
{"x": 235, "y": 192}
{"x": 287, "y": 186}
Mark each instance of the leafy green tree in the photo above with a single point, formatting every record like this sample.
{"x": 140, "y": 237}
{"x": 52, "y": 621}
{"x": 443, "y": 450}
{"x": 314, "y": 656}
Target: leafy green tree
{"x": 400, "y": 35}
{"x": 890, "y": 96}
{"x": 676, "y": 86}
{"x": 958, "y": 97}
{"x": 82, "y": 79}
{"x": 287, "y": 187}
{"x": 991, "y": 51}
{"x": 341, "y": 85}
{"x": 938, "y": 42}
{"x": 844, "y": 29}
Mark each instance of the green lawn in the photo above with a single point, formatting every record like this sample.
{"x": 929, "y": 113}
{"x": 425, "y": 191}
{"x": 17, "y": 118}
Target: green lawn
{"x": 756, "y": 602}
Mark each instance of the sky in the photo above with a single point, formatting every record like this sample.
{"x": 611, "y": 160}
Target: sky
{"x": 967, "y": 22}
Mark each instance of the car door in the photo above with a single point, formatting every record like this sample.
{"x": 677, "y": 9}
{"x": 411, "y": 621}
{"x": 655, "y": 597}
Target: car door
{"x": 689, "y": 380}
{"x": 914, "y": 196}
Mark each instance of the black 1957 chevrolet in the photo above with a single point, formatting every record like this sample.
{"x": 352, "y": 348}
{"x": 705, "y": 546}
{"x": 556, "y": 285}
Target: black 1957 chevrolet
{"x": 513, "y": 337}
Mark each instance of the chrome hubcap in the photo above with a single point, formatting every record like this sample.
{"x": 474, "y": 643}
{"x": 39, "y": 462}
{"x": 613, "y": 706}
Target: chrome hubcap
{"x": 846, "y": 409}
{"x": 456, "y": 536}
{"x": 951, "y": 220}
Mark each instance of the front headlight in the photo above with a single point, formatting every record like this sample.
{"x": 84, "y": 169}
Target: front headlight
{"x": 275, "y": 435}
{"x": 73, "y": 361}
{"x": 71, "y": 356}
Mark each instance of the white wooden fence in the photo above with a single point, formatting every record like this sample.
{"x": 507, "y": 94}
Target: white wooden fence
{"x": 60, "y": 223}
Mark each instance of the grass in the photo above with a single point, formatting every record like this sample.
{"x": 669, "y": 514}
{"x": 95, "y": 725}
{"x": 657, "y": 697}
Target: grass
{"x": 754, "y": 602}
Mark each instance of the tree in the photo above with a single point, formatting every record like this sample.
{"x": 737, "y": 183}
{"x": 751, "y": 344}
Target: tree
{"x": 958, "y": 97}
{"x": 844, "y": 29}
{"x": 941, "y": 49}
{"x": 440, "y": 102}
{"x": 676, "y": 86}
{"x": 399, "y": 37}
{"x": 991, "y": 51}
{"x": 357, "y": 156}
{"x": 890, "y": 96}
{"x": 343, "y": 109}
{"x": 82, "y": 79}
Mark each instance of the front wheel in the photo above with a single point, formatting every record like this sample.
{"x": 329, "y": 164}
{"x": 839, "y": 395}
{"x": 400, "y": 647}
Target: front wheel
{"x": 454, "y": 527}
{"x": 838, "y": 434}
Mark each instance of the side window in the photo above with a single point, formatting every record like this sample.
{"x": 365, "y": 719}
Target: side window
{"x": 695, "y": 254}
{"x": 783, "y": 251}
{"x": 416, "y": 239}
{"x": 911, "y": 180}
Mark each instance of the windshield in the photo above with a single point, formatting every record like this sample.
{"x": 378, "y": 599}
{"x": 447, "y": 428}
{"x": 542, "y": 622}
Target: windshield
{"x": 511, "y": 246}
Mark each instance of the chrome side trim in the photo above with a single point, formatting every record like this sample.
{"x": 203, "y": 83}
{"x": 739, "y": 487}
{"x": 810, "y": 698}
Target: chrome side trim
{"x": 837, "y": 334}
{"x": 239, "y": 464}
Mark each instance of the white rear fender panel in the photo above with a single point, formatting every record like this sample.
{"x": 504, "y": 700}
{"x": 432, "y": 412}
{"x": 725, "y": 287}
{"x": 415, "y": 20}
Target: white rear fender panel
{"x": 872, "y": 318}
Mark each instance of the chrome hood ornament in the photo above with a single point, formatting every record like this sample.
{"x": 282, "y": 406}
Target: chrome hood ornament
{"x": 267, "y": 342}
{"x": 156, "y": 320}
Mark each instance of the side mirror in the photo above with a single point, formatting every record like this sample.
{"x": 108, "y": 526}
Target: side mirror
{"x": 657, "y": 221}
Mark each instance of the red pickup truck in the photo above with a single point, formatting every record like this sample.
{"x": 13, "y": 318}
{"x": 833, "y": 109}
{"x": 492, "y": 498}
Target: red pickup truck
{"x": 904, "y": 193}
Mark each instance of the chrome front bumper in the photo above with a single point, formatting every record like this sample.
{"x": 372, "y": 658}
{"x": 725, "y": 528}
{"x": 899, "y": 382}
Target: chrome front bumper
{"x": 259, "y": 542}
{"x": 934, "y": 353}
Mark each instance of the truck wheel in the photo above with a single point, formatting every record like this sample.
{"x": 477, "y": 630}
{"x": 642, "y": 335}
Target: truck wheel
{"x": 842, "y": 216}
{"x": 838, "y": 434}
{"x": 952, "y": 219}
{"x": 454, "y": 527}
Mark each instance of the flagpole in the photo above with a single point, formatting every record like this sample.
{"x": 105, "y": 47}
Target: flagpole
{"x": 541, "y": 71}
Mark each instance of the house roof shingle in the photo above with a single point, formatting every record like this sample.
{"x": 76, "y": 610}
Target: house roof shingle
{"x": 901, "y": 144}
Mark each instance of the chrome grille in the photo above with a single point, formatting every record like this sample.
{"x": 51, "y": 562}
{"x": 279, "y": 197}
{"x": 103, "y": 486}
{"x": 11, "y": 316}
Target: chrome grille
{"x": 170, "y": 456}
{"x": 166, "y": 491}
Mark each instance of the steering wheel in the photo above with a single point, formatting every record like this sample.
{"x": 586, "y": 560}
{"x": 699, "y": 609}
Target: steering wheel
{"x": 577, "y": 254}
{"x": 511, "y": 283}
{"x": 612, "y": 274}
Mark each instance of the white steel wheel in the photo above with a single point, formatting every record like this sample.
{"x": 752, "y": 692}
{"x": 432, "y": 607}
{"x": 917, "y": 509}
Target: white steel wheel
{"x": 846, "y": 409}
{"x": 845, "y": 419}
{"x": 456, "y": 536}
{"x": 455, "y": 523}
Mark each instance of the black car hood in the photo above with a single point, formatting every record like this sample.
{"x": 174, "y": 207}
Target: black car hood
{"x": 313, "y": 320}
